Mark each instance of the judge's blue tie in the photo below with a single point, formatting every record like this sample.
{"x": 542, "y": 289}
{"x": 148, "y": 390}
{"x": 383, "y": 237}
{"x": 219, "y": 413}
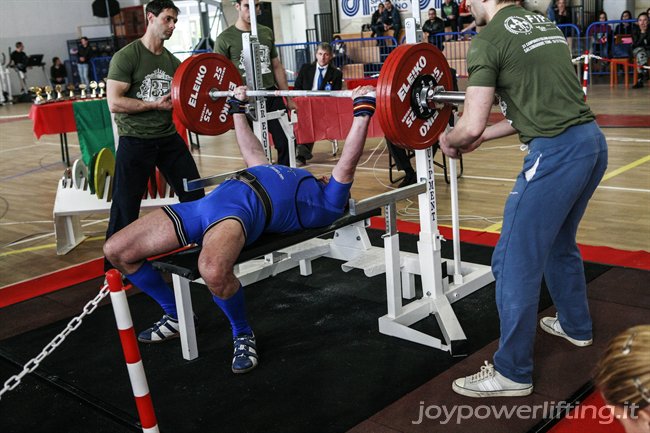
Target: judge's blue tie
{"x": 321, "y": 76}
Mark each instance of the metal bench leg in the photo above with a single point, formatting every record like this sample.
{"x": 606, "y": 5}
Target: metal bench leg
{"x": 185, "y": 317}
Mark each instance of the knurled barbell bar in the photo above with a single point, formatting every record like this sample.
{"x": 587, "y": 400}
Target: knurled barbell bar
{"x": 414, "y": 94}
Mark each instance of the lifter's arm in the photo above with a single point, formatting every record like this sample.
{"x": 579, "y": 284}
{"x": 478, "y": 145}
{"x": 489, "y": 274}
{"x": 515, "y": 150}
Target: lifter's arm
{"x": 249, "y": 145}
{"x": 344, "y": 170}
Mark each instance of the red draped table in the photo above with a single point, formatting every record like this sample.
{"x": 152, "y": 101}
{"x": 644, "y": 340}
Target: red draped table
{"x": 326, "y": 118}
{"x": 54, "y": 118}
{"x": 58, "y": 118}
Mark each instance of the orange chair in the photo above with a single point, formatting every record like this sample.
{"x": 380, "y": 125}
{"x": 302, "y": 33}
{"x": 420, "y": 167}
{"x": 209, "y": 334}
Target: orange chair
{"x": 613, "y": 71}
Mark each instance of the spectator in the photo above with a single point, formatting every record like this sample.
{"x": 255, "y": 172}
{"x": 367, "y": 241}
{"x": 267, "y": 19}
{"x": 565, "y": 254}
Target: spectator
{"x": 432, "y": 27}
{"x": 376, "y": 24}
{"x": 640, "y": 47}
{"x": 340, "y": 52}
{"x": 391, "y": 20}
{"x": 58, "y": 74}
{"x": 274, "y": 76}
{"x": 18, "y": 60}
{"x": 622, "y": 45}
{"x": 450, "y": 15}
{"x": 84, "y": 54}
{"x": 623, "y": 378}
{"x": 562, "y": 14}
{"x": 602, "y": 37}
{"x": 563, "y": 17}
{"x": 464, "y": 15}
{"x": 625, "y": 28}
{"x": 320, "y": 75}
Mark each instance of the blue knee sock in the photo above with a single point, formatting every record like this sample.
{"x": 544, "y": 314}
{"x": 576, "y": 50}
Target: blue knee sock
{"x": 235, "y": 310}
{"x": 151, "y": 282}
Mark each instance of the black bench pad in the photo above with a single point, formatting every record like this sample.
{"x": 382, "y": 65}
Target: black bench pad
{"x": 185, "y": 263}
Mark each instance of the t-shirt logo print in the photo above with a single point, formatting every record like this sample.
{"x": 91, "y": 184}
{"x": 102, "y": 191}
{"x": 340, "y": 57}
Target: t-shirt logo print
{"x": 264, "y": 59}
{"x": 518, "y": 25}
{"x": 154, "y": 86}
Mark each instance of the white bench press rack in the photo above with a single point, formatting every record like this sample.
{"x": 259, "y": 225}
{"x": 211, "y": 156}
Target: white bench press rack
{"x": 273, "y": 254}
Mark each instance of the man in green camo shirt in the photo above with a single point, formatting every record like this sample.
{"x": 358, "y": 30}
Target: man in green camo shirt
{"x": 229, "y": 43}
{"x": 523, "y": 60}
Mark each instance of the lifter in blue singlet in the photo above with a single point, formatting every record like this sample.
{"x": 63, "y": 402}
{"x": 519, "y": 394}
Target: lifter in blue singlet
{"x": 262, "y": 198}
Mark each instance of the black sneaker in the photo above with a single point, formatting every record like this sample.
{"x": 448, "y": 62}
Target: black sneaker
{"x": 409, "y": 179}
{"x": 638, "y": 85}
{"x": 304, "y": 152}
{"x": 300, "y": 161}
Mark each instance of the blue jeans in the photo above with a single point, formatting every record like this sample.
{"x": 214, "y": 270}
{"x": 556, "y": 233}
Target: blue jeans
{"x": 82, "y": 69}
{"x": 538, "y": 239}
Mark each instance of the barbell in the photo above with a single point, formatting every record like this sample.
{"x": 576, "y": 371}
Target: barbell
{"x": 414, "y": 96}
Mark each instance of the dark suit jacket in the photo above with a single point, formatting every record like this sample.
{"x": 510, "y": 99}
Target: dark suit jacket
{"x": 305, "y": 77}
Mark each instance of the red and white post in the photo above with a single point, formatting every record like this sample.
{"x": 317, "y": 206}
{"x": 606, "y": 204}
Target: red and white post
{"x": 585, "y": 73}
{"x": 131, "y": 353}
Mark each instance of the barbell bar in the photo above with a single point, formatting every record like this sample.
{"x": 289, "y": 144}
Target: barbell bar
{"x": 413, "y": 93}
{"x": 432, "y": 94}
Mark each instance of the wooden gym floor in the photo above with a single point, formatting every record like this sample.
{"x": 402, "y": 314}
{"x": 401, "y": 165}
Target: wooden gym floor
{"x": 618, "y": 215}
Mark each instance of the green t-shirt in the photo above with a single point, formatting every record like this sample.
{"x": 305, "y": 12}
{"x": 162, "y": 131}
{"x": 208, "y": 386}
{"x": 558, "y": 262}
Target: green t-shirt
{"x": 150, "y": 77}
{"x": 525, "y": 57}
{"x": 229, "y": 43}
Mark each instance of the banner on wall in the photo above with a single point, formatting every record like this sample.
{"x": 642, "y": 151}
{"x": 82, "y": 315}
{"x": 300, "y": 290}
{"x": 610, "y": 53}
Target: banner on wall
{"x": 365, "y": 8}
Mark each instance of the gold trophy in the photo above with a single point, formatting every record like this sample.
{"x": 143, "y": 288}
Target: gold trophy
{"x": 58, "y": 89}
{"x": 70, "y": 91}
{"x": 37, "y": 90}
{"x": 48, "y": 92}
{"x": 82, "y": 87}
{"x": 93, "y": 87}
{"x": 101, "y": 85}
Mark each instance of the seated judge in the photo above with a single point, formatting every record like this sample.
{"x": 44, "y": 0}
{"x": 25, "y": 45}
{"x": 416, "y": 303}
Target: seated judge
{"x": 320, "y": 75}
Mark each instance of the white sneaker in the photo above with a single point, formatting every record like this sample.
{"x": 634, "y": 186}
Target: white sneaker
{"x": 490, "y": 383}
{"x": 553, "y": 327}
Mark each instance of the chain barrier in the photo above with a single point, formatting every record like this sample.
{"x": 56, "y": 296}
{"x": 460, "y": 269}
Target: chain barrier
{"x": 33, "y": 364}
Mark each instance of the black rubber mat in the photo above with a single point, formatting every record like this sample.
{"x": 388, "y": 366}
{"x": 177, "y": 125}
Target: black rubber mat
{"x": 324, "y": 366}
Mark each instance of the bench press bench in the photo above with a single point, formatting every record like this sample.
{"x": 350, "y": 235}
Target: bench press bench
{"x": 443, "y": 281}
{"x": 271, "y": 254}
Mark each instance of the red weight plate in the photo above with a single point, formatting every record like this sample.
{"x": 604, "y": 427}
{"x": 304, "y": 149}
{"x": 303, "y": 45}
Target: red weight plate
{"x": 383, "y": 97}
{"x": 192, "y": 82}
{"x": 396, "y": 117}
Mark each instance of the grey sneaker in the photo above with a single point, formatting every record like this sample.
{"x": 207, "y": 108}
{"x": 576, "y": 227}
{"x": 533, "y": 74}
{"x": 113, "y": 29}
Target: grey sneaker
{"x": 553, "y": 327}
{"x": 490, "y": 383}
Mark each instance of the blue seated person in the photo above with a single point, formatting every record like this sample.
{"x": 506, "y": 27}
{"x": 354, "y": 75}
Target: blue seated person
{"x": 263, "y": 198}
